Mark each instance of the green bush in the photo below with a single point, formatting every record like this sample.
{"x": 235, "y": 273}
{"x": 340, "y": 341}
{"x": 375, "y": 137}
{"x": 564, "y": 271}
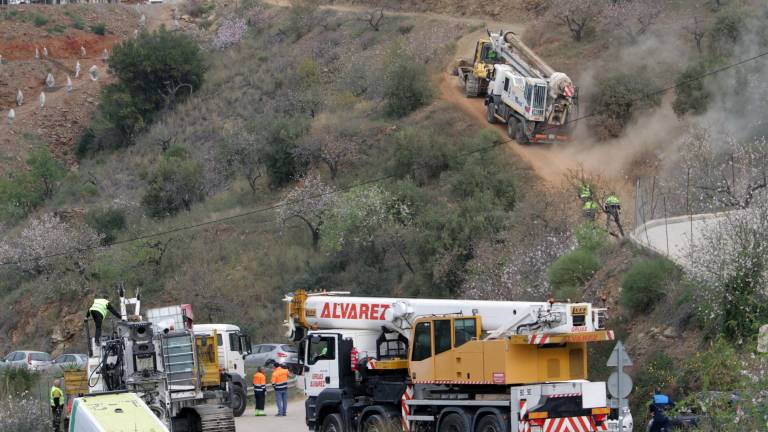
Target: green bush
{"x": 40, "y": 20}
{"x": 406, "y": 81}
{"x": 421, "y": 154}
{"x": 726, "y": 32}
{"x": 691, "y": 94}
{"x": 78, "y": 24}
{"x": 99, "y": 29}
{"x": 279, "y": 155}
{"x": 155, "y": 71}
{"x": 22, "y": 192}
{"x": 16, "y": 380}
{"x": 109, "y": 222}
{"x": 572, "y": 270}
{"x": 302, "y": 15}
{"x": 619, "y": 98}
{"x": 591, "y": 237}
{"x": 175, "y": 185}
{"x": 646, "y": 283}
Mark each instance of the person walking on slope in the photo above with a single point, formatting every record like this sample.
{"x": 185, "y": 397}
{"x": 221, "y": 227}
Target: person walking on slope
{"x": 280, "y": 384}
{"x": 259, "y": 390}
{"x": 98, "y": 312}
{"x": 589, "y": 210}
{"x": 612, "y": 206}
{"x": 585, "y": 192}
{"x": 57, "y": 404}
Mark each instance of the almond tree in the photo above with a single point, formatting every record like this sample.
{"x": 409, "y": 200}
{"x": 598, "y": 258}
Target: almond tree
{"x": 230, "y": 33}
{"x": 633, "y": 18}
{"x": 47, "y": 242}
{"x": 332, "y": 144}
{"x": 308, "y": 201}
{"x": 577, "y": 15}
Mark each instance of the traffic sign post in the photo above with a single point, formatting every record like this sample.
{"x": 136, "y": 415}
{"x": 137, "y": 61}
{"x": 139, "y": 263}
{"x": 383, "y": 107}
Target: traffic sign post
{"x": 619, "y": 383}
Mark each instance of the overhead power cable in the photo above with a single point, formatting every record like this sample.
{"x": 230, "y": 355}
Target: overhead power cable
{"x": 379, "y": 179}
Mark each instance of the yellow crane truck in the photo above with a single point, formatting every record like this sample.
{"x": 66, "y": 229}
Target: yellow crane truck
{"x": 376, "y": 364}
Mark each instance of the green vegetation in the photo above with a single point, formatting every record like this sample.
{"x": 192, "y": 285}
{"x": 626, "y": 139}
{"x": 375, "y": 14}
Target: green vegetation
{"x": 99, "y": 29}
{"x": 406, "y": 81}
{"x": 155, "y": 71}
{"x": 571, "y": 271}
{"x": 175, "y": 185}
{"x": 108, "y": 221}
{"x": 279, "y": 154}
{"x": 22, "y": 192}
{"x": 620, "y": 98}
{"x": 691, "y": 94}
{"x": 646, "y": 282}
{"x": 17, "y": 380}
{"x": 40, "y": 20}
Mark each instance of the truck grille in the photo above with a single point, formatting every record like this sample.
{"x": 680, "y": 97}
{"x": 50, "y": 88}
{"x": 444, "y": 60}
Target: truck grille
{"x": 538, "y": 99}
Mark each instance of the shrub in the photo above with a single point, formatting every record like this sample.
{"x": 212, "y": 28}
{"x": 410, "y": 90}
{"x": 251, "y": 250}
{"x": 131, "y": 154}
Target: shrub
{"x": 17, "y": 381}
{"x": 279, "y": 155}
{"x": 726, "y": 32}
{"x": 591, "y": 237}
{"x": 691, "y": 94}
{"x": 40, "y": 20}
{"x": 23, "y": 191}
{"x": 99, "y": 29}
{"x": 421, "y": 154}
{"x": 406, "y": 81}
{"x": 301, "y": 17}
{"x": 78, "y": 24}
{"x": 572, "y": 270}
{"x": 645, "y": 284}
{"x": 23, "y": 414}
{"x": 156, "y": 70}
{"x": 230, "y": 32}
{"x": 619, "y": 98}
{"x": 107, "y": 222}
{"x": 176, "y": 184}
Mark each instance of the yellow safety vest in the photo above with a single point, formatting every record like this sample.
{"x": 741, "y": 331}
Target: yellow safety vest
{"x": 100, "y": 306}
{"x": 56, "y": 393}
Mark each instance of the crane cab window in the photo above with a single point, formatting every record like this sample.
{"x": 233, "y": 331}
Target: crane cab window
{"x": 442, "y": 335}
{"x": 321, "y": 348}
{"x": 464, "y": 329}
{"x": 422, "y": 346}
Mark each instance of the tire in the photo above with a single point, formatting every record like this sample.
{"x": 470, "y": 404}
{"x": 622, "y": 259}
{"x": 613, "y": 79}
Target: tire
{"x": 489, "y": 423}
{"x": 239, "y": 400}
{"x": 490, "y": 113}
{"x": 333, "y": 423}
{"x": 452, "y": 423}
{"x": 522, "y": 136}
{"x": 513, "y": 125}
{"x": 377, "y": 423}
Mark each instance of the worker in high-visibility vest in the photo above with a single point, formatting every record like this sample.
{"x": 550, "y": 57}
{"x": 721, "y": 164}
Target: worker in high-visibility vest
{"x": 259, "y": 390}
{"x": 585, "y": 192}
{"x": 57, "y": 404}
{"x": 98, "y": 312}
{"x": 280, "y": 384}
{"x": 612, "y": 206}
{"x": 590, "y": 210}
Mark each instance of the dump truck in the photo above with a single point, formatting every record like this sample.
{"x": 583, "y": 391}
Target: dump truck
{"x": 375, "y": 364}
{"x": 161, "y": 363}
{"x": 537, "y": 103}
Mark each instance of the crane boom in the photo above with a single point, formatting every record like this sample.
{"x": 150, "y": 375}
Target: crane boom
{"x": 499, "y": 318}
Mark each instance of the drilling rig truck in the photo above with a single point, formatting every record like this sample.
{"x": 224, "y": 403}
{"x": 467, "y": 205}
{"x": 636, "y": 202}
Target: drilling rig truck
{"x": 379, "y": 364}
{"x": 536, "y": 103}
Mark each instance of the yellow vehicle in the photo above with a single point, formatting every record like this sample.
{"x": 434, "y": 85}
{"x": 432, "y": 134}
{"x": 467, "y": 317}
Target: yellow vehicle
{"x": 474, "y": 74}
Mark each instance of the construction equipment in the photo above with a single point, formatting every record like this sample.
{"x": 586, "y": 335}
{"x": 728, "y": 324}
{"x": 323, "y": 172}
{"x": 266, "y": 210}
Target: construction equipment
{"x": 447, "y": 365}
{"x": 159, "y": 361}
{"x": 534, "y": 100}
{"x": 113, "y": 412}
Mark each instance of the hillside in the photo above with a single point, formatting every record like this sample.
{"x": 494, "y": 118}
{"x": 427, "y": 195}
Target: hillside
{"x": 323, "y": 147}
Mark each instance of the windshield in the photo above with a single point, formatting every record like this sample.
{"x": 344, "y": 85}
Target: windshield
{"x": 40, "y": 356}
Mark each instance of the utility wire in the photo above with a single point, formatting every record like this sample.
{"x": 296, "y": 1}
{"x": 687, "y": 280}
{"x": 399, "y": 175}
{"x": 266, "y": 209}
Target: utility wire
{"x": 379, "y": 179}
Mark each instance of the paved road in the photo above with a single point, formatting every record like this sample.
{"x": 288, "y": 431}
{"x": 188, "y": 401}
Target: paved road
{"x": 293, "y": 422}
{"x": 673, "y": 236}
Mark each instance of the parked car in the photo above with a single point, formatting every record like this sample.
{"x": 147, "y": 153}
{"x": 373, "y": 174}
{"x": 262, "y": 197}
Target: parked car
{"x": 271, "y": 354}
{"x": 32, "y": 360}
{"x": 71, "y": 361}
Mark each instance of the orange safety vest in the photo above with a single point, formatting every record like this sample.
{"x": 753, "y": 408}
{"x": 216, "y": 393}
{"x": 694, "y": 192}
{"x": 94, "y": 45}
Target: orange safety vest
{"x": 259, "y": 382}
{"x": 280, "y": 379}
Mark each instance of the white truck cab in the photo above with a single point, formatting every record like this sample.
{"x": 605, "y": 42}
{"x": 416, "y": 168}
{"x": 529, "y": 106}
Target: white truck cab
{"x": 233, "y": 345}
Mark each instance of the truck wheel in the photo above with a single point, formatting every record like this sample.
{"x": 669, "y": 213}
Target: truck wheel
{"x": 525, "y": 132}
{"x": 513, "y": 125}
{"x": 377, "y": 423}
{"x": 452, "y": 423}
{"x": 489, "y": 423}
{"x": 238, "y": 401}
{"x": 490, "y": 113}
{"x": 333, "y": 423}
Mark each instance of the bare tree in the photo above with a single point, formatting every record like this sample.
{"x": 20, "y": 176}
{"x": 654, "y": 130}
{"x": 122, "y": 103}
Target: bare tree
{"x": 333, "y": 144}
{"x": 577, "y": 15}
{"x": 633, "y": 18}
{"x": 239, "y": 155}
{"x": 697, "y": 30}
{"x": 308, "y": 202}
